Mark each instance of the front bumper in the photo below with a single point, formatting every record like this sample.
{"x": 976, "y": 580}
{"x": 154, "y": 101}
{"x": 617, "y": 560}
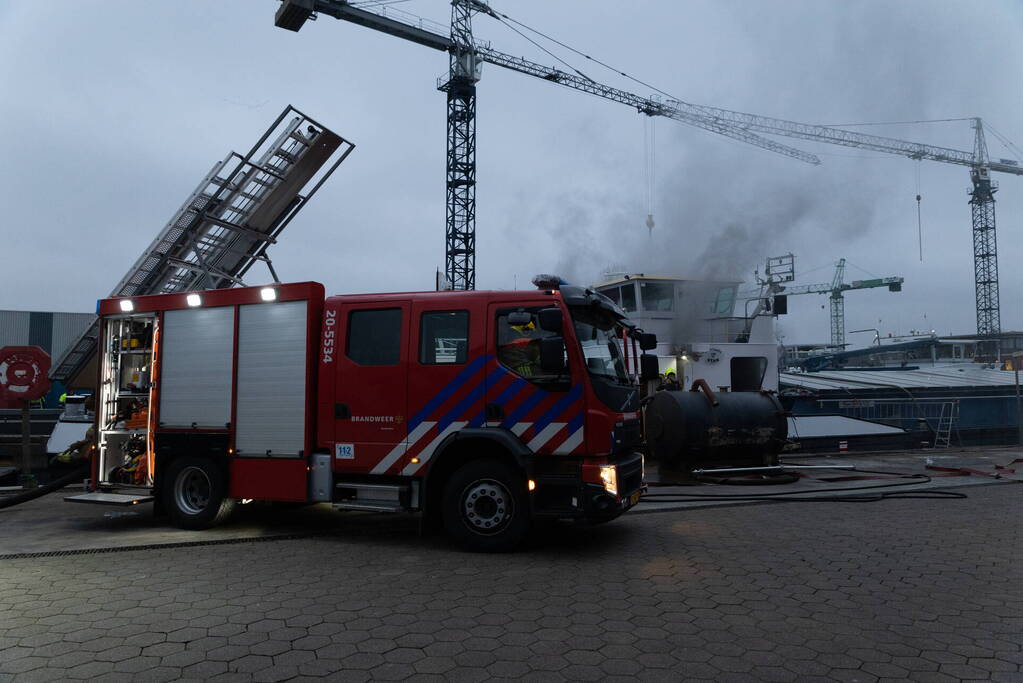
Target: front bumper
{"x": 564, "y": 495}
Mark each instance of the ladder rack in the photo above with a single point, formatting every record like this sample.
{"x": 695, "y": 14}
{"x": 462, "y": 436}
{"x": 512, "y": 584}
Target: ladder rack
{"x": 226, "y": 225}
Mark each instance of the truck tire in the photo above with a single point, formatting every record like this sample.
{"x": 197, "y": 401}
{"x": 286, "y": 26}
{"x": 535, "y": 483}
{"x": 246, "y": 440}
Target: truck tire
{"x": 485, "y": 508}
{"x": 194, "y": 493}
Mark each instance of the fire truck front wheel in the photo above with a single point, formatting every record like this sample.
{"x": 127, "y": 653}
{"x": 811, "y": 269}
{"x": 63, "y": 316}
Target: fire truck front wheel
{"x": 195, "y": 493}
{"x": 485, "y": 506}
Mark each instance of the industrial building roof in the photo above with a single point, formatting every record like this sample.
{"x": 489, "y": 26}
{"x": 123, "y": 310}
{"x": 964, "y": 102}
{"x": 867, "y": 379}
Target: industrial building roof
{"x": 939, "y": 375}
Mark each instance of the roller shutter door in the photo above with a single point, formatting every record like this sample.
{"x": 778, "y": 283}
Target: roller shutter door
{"x": 195, "y": 387}
{"x": 271, "y": 398}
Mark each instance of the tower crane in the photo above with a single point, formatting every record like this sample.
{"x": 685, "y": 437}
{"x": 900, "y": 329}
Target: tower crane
{"x": 836, "y": 290}
{"x": 466, "y": 56}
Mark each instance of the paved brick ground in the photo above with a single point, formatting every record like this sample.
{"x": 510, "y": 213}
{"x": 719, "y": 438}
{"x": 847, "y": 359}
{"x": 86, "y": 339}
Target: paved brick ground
{"x": 927, "y": 590}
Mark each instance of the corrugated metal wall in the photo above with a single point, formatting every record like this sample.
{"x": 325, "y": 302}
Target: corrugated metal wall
{"x": 54, "y": 332}
{"x": 14, "y": 328}
{"x": 67, "y": 327}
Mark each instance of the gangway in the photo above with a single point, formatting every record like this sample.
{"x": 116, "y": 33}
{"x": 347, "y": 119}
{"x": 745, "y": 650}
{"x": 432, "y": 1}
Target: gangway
{"x": 226, "y": 225}
{"x": 947, "y": 421}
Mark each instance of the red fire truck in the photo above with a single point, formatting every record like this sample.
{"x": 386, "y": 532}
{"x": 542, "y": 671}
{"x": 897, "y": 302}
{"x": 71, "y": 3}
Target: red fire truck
{"x": 482, "y": 410}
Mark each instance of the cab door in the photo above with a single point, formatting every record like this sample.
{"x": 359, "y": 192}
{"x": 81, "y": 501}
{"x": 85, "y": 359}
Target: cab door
{"x": 544, "y": 411}
{"x": 447, "y": 378}
{"x": 371, "y": 386}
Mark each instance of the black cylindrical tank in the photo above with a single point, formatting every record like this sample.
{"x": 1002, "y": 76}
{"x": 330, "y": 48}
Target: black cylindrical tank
{"x": 685, "y": 430}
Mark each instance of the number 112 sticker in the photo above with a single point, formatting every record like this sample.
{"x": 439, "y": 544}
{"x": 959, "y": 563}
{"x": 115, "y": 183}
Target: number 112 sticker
{"x": 344, "y": 451}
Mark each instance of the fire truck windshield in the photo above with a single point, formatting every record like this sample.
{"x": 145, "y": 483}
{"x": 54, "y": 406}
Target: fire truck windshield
{"x": 598, "y": 334}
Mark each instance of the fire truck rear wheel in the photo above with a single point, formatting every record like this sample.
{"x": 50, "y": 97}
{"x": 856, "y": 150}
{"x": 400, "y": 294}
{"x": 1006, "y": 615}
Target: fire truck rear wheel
{"x": 485, "y": 506}
{"x": 195, "y": 493}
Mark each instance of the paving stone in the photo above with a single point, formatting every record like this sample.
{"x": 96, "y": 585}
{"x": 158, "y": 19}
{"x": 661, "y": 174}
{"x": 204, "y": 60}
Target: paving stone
{"x": 392, "y": 671}
{"x": 273, "y": 674}
{"x": 162, "y": 649}
{"x": 24, "y": 664}
{"x": 992, "y": 665}
{"x": 41, "y": 675}
{"x": 964, "y": 671}
{"x": 322, "y": 668}
{"x": 250, "y": 663}
{"x": 184, "y": 658}
{"x": 203, "y": 670}
{"x": 90, "y": 670}
{"x": 269, "y": 648}
{"x": 137, "y": 664}
{"x": 294, "y": 658}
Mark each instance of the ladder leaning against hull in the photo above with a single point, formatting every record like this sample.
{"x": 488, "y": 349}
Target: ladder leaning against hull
{"x": 226, "y": 225}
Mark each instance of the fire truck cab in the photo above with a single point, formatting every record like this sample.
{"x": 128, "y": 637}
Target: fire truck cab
{"x": 482, "y": 410}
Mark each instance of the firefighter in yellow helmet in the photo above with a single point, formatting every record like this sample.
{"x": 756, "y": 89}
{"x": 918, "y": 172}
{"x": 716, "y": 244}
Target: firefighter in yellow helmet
{"x": 77, "y": 452}
{"x": 522, "y": 354}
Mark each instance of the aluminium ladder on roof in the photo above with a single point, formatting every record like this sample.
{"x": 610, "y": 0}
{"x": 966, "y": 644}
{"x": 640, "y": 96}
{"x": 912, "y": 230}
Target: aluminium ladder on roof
{"x": 226, "y": 225}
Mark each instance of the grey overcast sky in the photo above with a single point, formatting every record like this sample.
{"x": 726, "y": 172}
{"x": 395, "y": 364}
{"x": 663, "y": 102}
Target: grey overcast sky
{"x": 112, "y": 112}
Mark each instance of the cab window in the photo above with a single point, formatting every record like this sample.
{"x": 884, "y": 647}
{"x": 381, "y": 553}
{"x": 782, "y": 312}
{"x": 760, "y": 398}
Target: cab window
{"x": 374, "y": 336}
{"x": 444, "y": 337}
{"x": 518, "y": 348}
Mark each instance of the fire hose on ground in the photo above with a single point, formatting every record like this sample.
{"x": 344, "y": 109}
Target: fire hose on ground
{"x": 862, "y": 493}
{"x": 55, "y": 485}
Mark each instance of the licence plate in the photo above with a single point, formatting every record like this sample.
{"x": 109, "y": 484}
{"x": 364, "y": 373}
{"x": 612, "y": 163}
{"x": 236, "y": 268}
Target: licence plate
{"x": 634, "y": 498}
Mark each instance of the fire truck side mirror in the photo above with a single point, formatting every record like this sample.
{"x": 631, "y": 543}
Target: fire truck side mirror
{"x": 550, "y": 319}
{"x": 552, "y": 356}
{"x": 647, "y": 341}
{"x": 648, "y": 368}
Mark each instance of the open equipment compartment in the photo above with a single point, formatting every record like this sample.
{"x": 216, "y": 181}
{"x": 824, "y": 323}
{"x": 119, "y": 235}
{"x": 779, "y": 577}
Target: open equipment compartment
{"x": 223, "y": 378}
{"x": 126, "y": 396}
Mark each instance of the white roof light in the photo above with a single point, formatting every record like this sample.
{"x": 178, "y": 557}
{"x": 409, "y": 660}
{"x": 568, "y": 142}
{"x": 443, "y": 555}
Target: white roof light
{"x": 127, "y": 305}
{"x": 194, "y": 300}
{"x": 268, "y": 294}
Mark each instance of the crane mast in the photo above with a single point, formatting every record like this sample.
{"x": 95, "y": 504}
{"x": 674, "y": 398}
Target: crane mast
{"x": 985, "y": 245}
{"x": 838, "y": 306}
{"x": 460, "y": 86}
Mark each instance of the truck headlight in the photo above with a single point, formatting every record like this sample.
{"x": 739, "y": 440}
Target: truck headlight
{"x": 609, "y": 476}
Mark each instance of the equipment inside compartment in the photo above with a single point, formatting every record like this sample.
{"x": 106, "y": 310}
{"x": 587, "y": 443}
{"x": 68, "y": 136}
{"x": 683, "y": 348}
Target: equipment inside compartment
{"x": 125, "y": 455}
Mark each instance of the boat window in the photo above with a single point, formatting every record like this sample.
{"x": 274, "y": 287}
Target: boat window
{"x": 724, "y": 301}
{"x": 628, "y": 303}
{"x": 614, "y": 294}
{"x": 658, "y": 296}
